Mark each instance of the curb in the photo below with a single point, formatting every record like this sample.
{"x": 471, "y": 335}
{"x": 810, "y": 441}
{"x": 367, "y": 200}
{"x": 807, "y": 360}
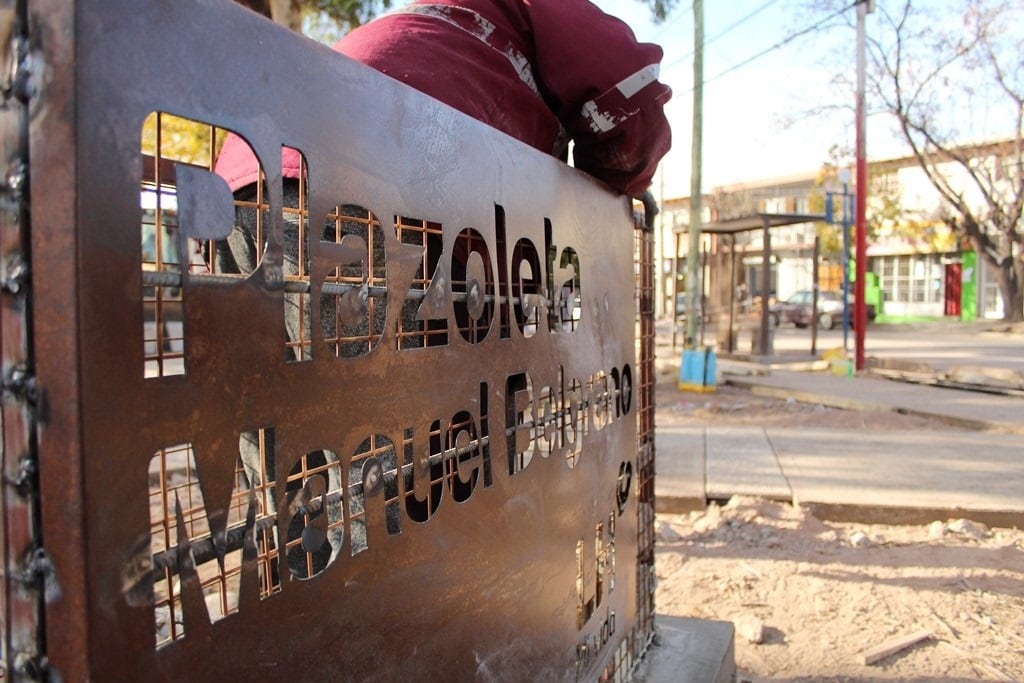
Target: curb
{"x": 896, "y": 514}
{"x": 863, "y": 514}
{"x": 856, "y": 404}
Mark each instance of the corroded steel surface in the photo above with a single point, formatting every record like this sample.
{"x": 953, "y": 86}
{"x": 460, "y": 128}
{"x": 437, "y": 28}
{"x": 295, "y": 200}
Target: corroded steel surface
{"x": 24, "y": 563}
{"x": 400, "y": 442}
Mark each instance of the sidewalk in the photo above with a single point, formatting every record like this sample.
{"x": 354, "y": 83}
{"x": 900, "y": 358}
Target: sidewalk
{"x": 864, "y": 476}
{"x": 910, "y": 477}
{"x": 970, "y": 409}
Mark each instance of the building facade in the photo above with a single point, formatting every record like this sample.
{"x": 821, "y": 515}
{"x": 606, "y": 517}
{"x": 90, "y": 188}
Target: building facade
{"x": 917, "y": 266}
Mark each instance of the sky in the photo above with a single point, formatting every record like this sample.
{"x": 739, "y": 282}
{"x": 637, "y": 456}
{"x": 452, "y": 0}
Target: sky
{"x": 749, "y": 132}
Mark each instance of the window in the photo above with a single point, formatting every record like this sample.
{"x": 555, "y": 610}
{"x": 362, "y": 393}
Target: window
{"x": 910, "y": 279}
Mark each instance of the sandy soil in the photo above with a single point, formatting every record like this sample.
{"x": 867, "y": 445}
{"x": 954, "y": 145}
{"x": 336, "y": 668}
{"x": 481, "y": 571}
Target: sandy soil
{"x": 812, "y": 599}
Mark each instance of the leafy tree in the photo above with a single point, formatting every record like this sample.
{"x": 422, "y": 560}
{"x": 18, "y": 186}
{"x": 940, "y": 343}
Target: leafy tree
{"x": 830, "y": 234}
{"x": 978, "y": 51}
{"x": 939, "y": 68}
{"x": 181, "y": 139}
{"x": 660, "y": 9}
{"x": 886, "y": 213}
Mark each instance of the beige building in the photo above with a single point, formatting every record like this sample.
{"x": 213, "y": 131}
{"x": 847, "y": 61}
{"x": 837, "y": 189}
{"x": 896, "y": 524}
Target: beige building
{"x": 917, "y": 264}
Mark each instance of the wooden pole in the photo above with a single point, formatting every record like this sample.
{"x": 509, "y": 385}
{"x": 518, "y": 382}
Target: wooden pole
{"x": 731, "y": 344}
{"x": 766, "y": 285}
{"x": 693, "y": 288}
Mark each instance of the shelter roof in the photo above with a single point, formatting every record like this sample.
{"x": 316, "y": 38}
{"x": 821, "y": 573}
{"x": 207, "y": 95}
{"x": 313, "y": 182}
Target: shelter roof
{"x": 758, "y": 221}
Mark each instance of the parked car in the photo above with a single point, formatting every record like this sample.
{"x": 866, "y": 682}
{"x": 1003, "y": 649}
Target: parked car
{"x": 785, "y": 311}
{"x": 797, "y": 310}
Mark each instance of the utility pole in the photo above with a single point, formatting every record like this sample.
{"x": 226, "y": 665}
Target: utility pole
{"x": 693, "y": 286}
{"x": 860, "y": 311}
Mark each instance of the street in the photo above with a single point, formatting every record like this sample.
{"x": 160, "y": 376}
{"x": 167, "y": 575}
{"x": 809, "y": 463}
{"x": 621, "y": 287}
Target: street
{"x": 941, "y": 345}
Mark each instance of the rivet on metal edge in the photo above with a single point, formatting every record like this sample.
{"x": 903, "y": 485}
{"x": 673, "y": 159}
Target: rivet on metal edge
{"x": 34, "y": 667}
{"x": 25, "y": 482}
{"x": 15, "y": 180}
{"x": 40, "y": 573}
{"x": 16, "y": 276}
{"x": 22, "y": 82}
{"x": 20, "y": 384}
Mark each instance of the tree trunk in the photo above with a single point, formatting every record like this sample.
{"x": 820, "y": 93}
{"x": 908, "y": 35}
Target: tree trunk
{"x": 261, "y": 6}
{"x": 1008, "y": 277}
{"x": 1015, "y": 311}
{"x": 287, "y": 13}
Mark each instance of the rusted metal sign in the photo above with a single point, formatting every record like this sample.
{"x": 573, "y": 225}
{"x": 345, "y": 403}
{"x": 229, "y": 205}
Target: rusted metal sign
{"x": 379, "y": 421}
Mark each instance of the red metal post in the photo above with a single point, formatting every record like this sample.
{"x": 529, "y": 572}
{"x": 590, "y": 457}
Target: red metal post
{"x": 860, "y": 316}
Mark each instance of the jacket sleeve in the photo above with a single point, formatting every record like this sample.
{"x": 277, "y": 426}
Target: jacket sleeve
{"x": 605, "y": 87}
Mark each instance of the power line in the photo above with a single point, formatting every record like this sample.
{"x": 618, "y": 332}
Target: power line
{"x": 785, "y": 41}
{"x": 782, "y": 43}
{"x": 679, "y": 14}
{"x": 724, "y": 31}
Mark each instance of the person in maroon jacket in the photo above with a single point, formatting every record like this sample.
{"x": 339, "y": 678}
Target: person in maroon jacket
{"x": 543, "y": 71}
{"x": 546, "y": 72}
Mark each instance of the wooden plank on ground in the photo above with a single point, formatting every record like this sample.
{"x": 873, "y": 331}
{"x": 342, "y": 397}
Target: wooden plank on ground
{"x": 894, "y": 645}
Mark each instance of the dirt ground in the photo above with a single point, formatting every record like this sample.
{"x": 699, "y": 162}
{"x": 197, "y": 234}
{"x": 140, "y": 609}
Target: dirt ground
{"x": 814, "y": 600}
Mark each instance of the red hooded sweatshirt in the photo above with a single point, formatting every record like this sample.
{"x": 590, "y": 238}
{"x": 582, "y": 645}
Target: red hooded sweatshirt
{"x": 542, "y": 71}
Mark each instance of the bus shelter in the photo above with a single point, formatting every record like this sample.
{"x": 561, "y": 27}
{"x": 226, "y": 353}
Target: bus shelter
{"x": 748, "y": 223}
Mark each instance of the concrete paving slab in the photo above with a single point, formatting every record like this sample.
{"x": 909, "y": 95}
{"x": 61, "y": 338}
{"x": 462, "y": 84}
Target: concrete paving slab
{"x": 869, "y": 476}
{"x": 741, "y": 460}
{"x": 927, "y": 471}
{"x": 679, "y": 467}
{"x": 969, "y": 408}
{"x": 690, "y": 651}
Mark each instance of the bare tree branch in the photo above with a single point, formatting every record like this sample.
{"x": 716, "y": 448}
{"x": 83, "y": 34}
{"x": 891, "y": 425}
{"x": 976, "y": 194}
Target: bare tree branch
{"x": 921, "y": 66}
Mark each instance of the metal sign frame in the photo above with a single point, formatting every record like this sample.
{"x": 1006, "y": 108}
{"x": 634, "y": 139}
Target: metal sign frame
{"x": 468, "y": 490}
